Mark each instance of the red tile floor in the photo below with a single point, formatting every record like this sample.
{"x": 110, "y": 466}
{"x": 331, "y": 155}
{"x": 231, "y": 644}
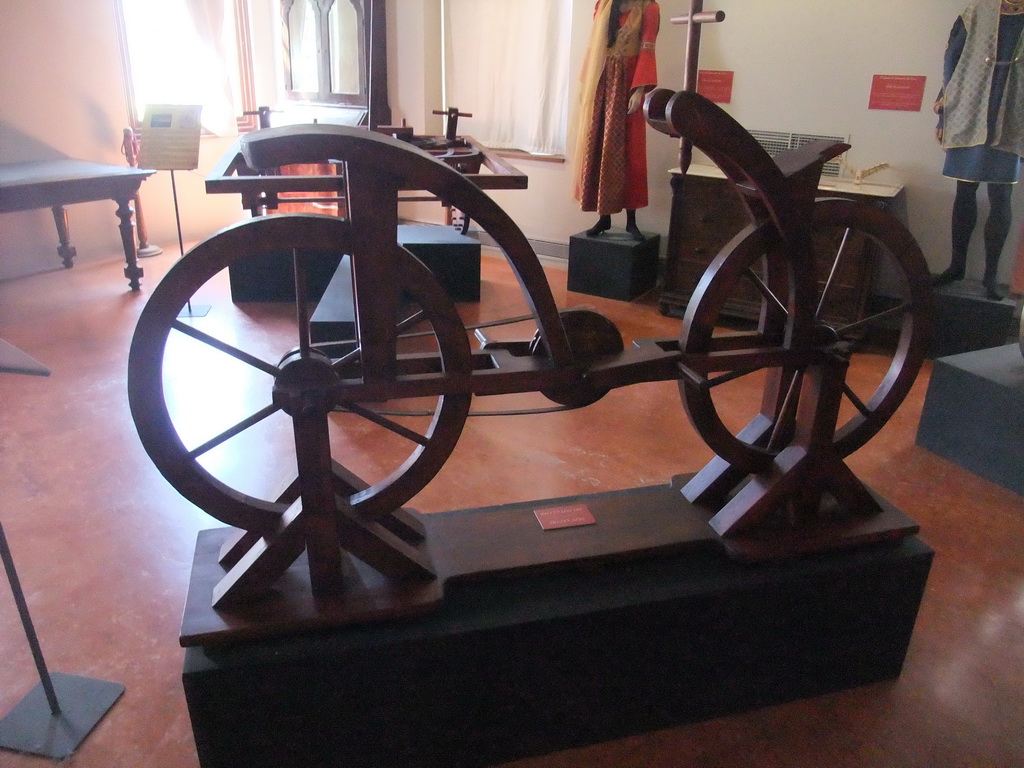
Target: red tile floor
{"x": 103, "y": 544}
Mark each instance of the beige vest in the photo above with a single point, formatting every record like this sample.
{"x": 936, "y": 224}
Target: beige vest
{"x": 967, "y": 93}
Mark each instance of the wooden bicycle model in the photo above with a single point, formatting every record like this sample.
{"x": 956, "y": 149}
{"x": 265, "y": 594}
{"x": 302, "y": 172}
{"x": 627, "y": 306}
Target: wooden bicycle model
{"x": 778, "y": 486}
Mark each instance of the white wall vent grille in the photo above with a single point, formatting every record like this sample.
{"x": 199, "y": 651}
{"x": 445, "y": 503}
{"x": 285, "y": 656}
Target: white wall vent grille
{"x": 775, "y": 142}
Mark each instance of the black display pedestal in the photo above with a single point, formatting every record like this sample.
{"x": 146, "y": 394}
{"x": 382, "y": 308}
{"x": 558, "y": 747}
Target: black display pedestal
{"x": 453, "y": 257}
{"x": 334, "y": 318}
{"x": 539, "y": 662}
{"x": 271, "y": 276}
{"x": 974, "y": 413}
{"x": 613, "y": 265}
{"x": 965, "y": 320}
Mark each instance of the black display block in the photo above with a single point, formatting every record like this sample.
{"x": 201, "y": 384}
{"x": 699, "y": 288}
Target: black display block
{"x": 613, "y": 265}
{"x": 334, "y": 318}
{"x": 974, "y": 413}
{"x": 271, "y": 276}
{"x": 453, "y": 257}
{"x": 529, "y": 664}
{"x": 966, "y": 321}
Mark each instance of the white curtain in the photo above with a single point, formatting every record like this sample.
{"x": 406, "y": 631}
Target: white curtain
{"x": 507, "y": 62}
{"x": 185, "y": 52}
{"x": 302, "y": 44}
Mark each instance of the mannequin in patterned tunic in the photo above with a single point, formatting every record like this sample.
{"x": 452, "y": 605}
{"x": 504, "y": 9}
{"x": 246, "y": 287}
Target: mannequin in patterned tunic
{"x": 611, "y": 145}
{"x": 984, "y": 88}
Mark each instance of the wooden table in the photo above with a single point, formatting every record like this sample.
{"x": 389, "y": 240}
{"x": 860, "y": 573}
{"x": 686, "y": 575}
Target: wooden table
{"x": 54, "y": 184}
{"x": 259, "y": 190}
{"x": 268, "y": 278}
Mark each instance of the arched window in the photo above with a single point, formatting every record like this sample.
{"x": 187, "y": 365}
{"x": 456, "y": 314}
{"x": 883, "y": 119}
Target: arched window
{"x": 325, "y": 51}
{"x": 200, "y": 52}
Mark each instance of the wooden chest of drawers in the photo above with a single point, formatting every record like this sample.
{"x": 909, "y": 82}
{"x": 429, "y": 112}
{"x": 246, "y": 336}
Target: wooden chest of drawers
{"x": 706, "y": 214}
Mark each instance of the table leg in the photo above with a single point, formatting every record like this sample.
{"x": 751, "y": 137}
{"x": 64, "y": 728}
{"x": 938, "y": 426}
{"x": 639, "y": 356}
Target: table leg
{"x": 65, "y": 250}
{"x": 132, "y": 269}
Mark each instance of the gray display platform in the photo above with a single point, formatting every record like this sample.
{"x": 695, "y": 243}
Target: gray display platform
{"x": 966, "y": 321}
{"x": 613, "y": 265}
{"x": 974, "y": 413}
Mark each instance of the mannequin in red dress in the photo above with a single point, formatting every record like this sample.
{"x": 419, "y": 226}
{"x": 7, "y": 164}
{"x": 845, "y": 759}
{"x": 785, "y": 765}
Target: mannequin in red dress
{"x": 611, "y": 144}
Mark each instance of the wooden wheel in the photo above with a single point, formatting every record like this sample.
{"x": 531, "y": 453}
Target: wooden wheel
{"x": 203, "y": 401}
{"x": 792, "y": 334}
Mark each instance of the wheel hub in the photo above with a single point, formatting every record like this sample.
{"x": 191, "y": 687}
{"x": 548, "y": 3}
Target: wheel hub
{"x": 302, "y": 387}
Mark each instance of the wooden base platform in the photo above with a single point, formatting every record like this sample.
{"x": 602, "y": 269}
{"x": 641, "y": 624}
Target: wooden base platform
{"x": 504, "y": 541}
{"x": 463, "y": 544}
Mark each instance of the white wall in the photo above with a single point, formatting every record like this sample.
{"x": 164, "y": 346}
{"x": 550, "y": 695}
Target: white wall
{"x": 802, "y": 65}
{"x": 806, "y": 66}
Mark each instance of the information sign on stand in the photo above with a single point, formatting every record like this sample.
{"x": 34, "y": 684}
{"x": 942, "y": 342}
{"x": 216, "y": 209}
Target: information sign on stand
{"x": 170, "y": 137}
{"x": 170, "y": 142}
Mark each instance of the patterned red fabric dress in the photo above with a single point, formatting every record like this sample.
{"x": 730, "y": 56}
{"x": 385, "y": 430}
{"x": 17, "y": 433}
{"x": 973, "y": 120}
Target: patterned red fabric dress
{"x": 613, "y": 171}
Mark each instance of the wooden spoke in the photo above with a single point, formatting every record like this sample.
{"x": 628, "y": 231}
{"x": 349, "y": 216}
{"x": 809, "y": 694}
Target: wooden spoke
{"x": 347, "y": 359}
{"x": 411, "y": 321}
{"x": 732, "y": 376}
{"x": 758, "y": 248}
{"x": 833, "y": 271}
{"x": 388, "y": 424}
{"x": 301, "y": 303}
{"x": 784, "y": 422}
{"x": 857, "y": 402}
{"x": 765, "y": 291}
{"x": 897, "y": 335}
{"x": 237, "y": 429}
{"x": 897, "y": 311}
{"x": 227, "y": 349}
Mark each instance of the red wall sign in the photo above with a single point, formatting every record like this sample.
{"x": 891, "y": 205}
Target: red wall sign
{"x": 899, "y": 92}
{"x": 715, "y": 84}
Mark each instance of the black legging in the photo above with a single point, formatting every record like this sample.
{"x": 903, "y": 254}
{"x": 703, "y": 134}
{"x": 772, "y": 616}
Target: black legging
{"x": 997, "y": 226}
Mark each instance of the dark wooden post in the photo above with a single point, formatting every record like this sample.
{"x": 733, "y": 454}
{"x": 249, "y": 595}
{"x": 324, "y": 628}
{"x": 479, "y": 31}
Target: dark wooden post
{"x": 130, "y": 150}
{"x": 693, "y": 20}
{"x": 132, "y": 269}
{"x": 451, "y": 126}
{"x": 377, "y": 61}
{"x": 65, "y": 250}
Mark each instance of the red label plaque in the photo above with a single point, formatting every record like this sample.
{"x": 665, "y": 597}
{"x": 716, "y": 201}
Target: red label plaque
{"x": 566, "y": 516}
{"x": 900, "y": 92}
{"x": 715, "y": 84}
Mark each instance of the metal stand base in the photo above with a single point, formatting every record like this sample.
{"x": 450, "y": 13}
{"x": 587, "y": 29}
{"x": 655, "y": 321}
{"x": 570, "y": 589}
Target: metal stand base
{"x": 33, "y": 728}
{"x": 195, "y": 310}
{"x": 56, "y": 715}
{"x": 146, "y": 252}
